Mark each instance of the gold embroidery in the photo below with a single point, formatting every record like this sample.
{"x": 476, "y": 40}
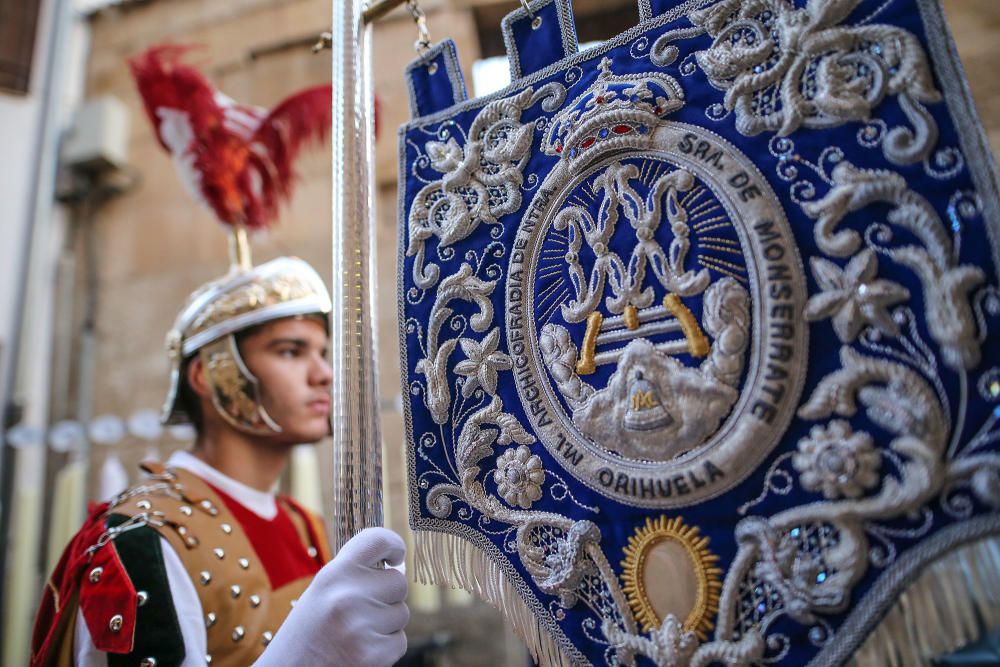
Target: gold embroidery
{"x": 697, "y": 343}
{"x": 631, "y": 317}
{"x": 642, "y": 400}
{"x": 587, "y": 365}
{"x": 683, "y": 539}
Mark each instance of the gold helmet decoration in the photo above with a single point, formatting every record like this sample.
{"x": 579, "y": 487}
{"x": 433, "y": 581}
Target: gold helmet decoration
{"x": 216, "y": 312}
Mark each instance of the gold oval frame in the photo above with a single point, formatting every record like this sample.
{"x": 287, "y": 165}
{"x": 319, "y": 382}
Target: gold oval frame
{"x": 709, "y": 576}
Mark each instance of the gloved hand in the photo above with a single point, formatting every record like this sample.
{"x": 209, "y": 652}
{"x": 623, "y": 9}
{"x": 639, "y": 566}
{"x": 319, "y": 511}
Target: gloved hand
{"x": 353, "y": 612}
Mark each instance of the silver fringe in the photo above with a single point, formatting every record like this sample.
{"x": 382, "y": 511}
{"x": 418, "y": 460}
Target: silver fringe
{"x": 448, "y": 560}
{"x": 953, "y": 602}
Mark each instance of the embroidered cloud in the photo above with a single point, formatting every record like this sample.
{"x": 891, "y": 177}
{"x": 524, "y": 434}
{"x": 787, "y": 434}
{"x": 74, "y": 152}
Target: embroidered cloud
{"x": 692, "y": 405}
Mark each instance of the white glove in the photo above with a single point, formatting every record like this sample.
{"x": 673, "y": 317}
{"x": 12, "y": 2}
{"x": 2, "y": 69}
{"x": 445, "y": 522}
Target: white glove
{"x": 353, "y": 612}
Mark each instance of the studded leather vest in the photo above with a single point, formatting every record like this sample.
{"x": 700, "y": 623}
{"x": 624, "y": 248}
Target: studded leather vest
{"x": 242, "y": 609}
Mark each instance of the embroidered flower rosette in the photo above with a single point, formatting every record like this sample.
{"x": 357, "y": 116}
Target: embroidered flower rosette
{"x": 699, "y": 327}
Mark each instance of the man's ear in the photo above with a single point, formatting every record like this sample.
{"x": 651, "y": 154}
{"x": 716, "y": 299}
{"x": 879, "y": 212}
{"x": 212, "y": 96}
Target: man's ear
{"x": 196, "y": 377}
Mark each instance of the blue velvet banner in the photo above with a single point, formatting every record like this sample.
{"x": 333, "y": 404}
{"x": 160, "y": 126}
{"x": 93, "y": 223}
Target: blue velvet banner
{"x": 699, "y": 327}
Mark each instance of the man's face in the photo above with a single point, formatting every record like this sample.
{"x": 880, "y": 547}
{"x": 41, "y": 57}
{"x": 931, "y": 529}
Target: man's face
{"x": 289, "y": 358}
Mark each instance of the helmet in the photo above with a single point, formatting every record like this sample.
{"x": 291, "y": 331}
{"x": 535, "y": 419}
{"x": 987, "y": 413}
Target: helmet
{"x": 245, "y": 297}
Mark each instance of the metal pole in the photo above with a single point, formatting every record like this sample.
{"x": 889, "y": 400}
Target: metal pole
{"x": 380, "y": 8}
{"x": 357, "y": 440}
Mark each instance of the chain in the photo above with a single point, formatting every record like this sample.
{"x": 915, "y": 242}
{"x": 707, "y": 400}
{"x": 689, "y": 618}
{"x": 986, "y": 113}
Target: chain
{"x": 133, "y": 522}
{"x": 160, "y": 486}
{"x": 423, "y": 42}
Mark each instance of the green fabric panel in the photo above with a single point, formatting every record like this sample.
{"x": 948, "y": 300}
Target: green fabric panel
{"x": 157, "y": 632}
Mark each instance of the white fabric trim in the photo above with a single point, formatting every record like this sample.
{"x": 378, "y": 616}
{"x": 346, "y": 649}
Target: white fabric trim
{"x": 261, "y": 503}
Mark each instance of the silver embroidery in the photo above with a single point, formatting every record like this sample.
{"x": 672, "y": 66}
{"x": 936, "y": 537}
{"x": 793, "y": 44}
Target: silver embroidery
{"x": 586, "y": 290}
{"x": 784, "y": 67}
{"x": 481, "y": 364}
{"x": 480, "y": 181}
{"x": 852, "y": 297}
{"x": 945, "y": 283}
{"x": 837, "y": 461}
{"x": 645, "y": 216}
{"x": 803, "y": 562}
{"x": 462, "y": 285}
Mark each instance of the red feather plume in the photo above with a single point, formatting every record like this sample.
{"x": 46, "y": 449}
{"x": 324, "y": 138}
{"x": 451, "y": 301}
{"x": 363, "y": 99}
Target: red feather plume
{"x": 236, "y": 159}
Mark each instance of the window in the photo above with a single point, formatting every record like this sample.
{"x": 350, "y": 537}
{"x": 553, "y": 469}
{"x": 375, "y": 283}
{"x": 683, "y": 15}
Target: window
{"x": 18, "y": 22}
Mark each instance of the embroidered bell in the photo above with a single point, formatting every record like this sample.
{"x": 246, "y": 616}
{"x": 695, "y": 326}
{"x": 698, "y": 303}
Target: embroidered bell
{"x": 645, "y": 411}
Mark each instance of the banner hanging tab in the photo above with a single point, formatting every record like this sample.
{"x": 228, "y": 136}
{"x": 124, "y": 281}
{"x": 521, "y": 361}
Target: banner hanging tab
{"x": 538, "y": 34}
{"x": 434, "y": 80}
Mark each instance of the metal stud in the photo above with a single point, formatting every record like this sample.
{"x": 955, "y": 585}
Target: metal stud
{"x": 206, "y": 577}
{"x": 210, "y": 619}
{"x": 266, "y": 637}
{"x": 144, "y": 504}
{"x": 244, "y": 563}
{"x": 142, "y": 597}
{"x": 95, "y": 574}
{"x": 235, "y": 591}
{"x": 238, "y": 633}
{"x": 182, "y": 530}
{"x": 148, "y": 662}
{"x": 255, "y": 601}
{"x": 208, "y": 659}
{"x": 116, "y": 623}
{"x": 191, "y": 541}
{"x": 226, "y": 528}
{"x": 292, "y": 603}
{"x": 312, "y": 552}
{"x": 186, "y": 511}
{"x": 219, "y": 553}
{"x": 209, "y": 507}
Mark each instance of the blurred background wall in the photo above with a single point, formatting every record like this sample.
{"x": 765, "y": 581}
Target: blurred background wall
{"x": 91, "y": 276}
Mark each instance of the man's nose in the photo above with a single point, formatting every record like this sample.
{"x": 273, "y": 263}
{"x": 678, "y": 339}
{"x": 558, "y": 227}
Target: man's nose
{"x": 322, "y": 373}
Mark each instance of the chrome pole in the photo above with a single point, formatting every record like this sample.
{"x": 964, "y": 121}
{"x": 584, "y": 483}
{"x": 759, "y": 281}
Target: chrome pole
{"x": 357, "y": 440}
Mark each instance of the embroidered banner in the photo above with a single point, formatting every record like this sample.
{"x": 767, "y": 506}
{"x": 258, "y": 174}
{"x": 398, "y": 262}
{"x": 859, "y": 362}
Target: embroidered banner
{"x": 699, "y": 327}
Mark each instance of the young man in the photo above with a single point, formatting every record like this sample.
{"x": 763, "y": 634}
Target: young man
{"x": 201, "y": 563}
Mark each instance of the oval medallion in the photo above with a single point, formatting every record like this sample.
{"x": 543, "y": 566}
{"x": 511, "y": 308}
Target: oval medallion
{"x": 654, "y": 308}
{"x": 669, "y": 570}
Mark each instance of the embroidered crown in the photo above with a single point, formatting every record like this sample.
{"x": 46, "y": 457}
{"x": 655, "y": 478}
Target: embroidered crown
{"x": 613, "y": 108}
